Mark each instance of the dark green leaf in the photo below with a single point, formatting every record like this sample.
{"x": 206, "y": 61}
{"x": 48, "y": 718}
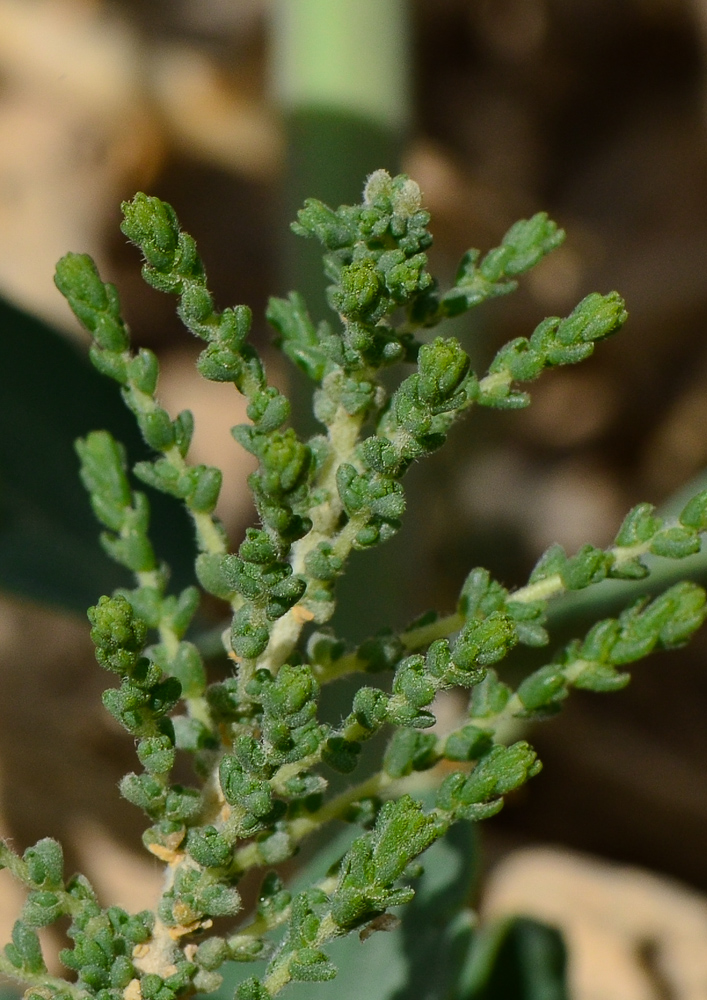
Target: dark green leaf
{"x": 49, "y": 549}
{"x": 515, "y": 959}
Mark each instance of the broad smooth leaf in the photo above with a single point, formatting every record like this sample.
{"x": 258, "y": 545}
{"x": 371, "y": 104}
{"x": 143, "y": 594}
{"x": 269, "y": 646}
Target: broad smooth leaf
{"x": 49, "y": 396}
{"x": 418, "y": 960}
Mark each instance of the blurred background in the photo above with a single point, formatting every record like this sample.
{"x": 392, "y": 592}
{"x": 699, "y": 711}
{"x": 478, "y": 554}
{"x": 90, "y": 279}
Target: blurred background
{"x": 592, "y": 110}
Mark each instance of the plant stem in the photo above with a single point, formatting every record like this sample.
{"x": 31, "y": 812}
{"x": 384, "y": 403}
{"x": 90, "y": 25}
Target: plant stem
{"x": 350, "y": 55}
{"x": 250, "y": 856}
{"x": 334, "y": 809}
{"x": 343, "y": 434}
{"x": 41, "y": 980}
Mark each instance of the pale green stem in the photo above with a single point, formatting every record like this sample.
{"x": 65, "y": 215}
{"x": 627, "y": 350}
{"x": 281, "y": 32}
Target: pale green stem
{"x": 18, "y": 869}
{"x": 41, "y": 980}
{"x": 515, "y": 709}
{"x": 491, "y": 382}
{"x": 208, "y": 534}
{"x": 334, "y": 809}
{"x": 552, "y": 586}
{"x": 197, "y": 708}
{"x": 419, "y": 638}
{"x": 250, "y": 856}
{"x": 424, "y": 635}
{"x": 343, "y": 436}
{"x": 278, "y": 979}
{"x": 280, "y": 976}
{"x": 149, "y": 578}
{"x": 287, "y": 771}
{"x": 348, "y": 55}
{"x": 413, "y": 639}
{"x": 260, "y": 925}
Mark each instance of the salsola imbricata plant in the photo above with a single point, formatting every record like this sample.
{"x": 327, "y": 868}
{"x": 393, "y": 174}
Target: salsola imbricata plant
{"x": 262, "y": 755}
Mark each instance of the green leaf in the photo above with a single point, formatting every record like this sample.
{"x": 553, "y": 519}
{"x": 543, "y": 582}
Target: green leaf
{"x": 25, "y": 951}
{"x": 49, "y": 549}
{"x": 543, "y": 689}
{"x": 298, "y": 335}
{"x": 45, "y": 863}
{"x": 419, "y": 960}
{"x": 515, "y": 959}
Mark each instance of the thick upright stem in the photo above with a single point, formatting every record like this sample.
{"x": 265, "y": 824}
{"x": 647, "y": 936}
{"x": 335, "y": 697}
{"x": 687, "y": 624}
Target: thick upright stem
{"x": 349, "y": 56}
